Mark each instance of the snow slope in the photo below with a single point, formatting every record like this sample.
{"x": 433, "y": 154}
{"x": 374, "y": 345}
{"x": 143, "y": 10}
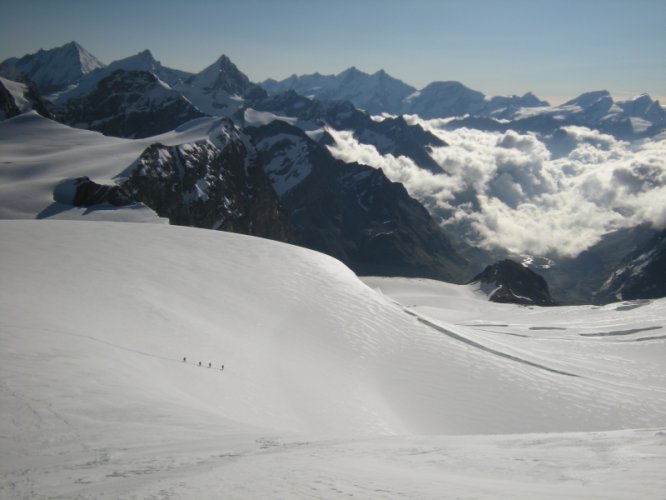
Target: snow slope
{"x": 38, "y": 153}
{"x": 330, "y": 387}
{"x": 17, "y": 91}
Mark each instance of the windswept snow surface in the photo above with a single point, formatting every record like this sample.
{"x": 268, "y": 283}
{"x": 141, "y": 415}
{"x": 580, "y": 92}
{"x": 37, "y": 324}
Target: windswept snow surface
{"x": 332, "y": 387}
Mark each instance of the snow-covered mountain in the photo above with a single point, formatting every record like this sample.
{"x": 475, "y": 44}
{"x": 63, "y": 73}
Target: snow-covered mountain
{"x": 143, "y": 61}
{"x": 129, "y": 104}
{"x": 353, "y": 212}
{"x": 634, "y": 118}
{"x": 38, "y": 154}
{"x": 376, "y": 93}
{"x": 143, "y": 104}
{"x": 445, "y": 99}
{"x": 17, "y": 98}
{"x": 389, "y": 136}
{"x": 159, "y": 361}
{"x": 400, "y": 388}
{"x": 217, "y": 179}
{"x": 220, "y": 89}
{"x": 53, "y": 69}
{"x": 641, "y": 274}
{"x": 213, "y": 183}
{"x": 380, "y": 93}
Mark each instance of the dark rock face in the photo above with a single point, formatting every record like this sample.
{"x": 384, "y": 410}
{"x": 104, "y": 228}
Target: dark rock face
{"x": 579, "y": 280}
{"x": 9, "y": 108}
{"x": 390, "y": 136}
{"x": 89, "y": 193}
{"x": 641, "y": 274}
{"x": 129, "y": 104}
{"x": 216, "y": 184}
{"x": 353, "y": 212}
{"x": 515, "y": 284}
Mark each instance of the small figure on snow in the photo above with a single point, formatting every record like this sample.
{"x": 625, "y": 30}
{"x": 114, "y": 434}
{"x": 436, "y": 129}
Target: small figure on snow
{"x": 222, "y": 368}
{"x": 210, "y": 364}
{"x": 199, "y": 363}
{"x": 184, "y": 359}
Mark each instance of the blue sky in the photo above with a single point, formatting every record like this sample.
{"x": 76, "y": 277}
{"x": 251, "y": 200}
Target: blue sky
{"x": 557, "y": 49}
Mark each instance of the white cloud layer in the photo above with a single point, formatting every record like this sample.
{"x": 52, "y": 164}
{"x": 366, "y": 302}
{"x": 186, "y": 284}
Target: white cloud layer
{"x": 528, "y": 194}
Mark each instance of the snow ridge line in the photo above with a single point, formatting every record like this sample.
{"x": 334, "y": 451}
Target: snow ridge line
{"x": 501, "y": 354}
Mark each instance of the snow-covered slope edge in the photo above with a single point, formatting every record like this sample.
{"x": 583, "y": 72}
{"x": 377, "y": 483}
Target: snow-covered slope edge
{"x": 95, "y": 319}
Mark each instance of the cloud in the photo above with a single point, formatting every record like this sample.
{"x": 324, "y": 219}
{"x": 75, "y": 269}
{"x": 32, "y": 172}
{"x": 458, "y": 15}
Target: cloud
{"x": 510, "y": 190}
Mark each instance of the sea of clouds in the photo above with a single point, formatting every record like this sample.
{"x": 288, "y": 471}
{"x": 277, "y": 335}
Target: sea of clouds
{"x": 541, "y": 195}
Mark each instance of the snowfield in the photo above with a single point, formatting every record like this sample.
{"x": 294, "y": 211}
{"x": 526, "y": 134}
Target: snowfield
{"x": 38, "y": 153}
{"x": 332, "y": 386}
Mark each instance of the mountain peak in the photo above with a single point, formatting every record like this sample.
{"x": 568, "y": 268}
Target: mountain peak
{"x": 73, "y": 44}
{"x": 224, "y": 61}
{"x": 352, "y": 71}
{"x": 55, "y": 68}
{"x": 143, "y": 61}
{"x": 146, "y": 54}
{"x": 589, "y": 98}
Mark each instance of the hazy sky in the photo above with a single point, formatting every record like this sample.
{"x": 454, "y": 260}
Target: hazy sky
{"x": 556, "y": 48}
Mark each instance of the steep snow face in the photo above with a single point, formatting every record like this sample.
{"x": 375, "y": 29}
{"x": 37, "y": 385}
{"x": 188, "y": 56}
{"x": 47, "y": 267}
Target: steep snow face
{"x": 56, "y": 68}
{"x": 96, "y": 318}
{"x": 289, "y": 161}
{"x": 220, "y": 89}
{"x": 143, "y": 61}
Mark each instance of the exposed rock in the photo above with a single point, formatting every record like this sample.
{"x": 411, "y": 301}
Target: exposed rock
{"x": 390, "y": 136}
{"x": 20, "y": 97}
{"x": 216, "y": 183}
{"x": 509, "y": 282}
{"x": 353, "y": 212}
{"x": 129, "y": 104}
{"x": 82, "y": 192}
{"x": 641, "y": 274}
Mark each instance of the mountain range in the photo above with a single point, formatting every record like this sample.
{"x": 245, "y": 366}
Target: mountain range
{"x": 280, "y": 151}
{"x": 164, "y": 332}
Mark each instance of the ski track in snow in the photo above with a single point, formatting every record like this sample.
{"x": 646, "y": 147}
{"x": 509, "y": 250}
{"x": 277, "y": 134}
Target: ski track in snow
{"x": 467, "y": 341}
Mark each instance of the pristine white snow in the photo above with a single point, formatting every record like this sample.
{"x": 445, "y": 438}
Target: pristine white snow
{"x": 331, "y": 386}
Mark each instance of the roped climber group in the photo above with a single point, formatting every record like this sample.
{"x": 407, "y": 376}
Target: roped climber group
{"x": 210, "y": 365}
